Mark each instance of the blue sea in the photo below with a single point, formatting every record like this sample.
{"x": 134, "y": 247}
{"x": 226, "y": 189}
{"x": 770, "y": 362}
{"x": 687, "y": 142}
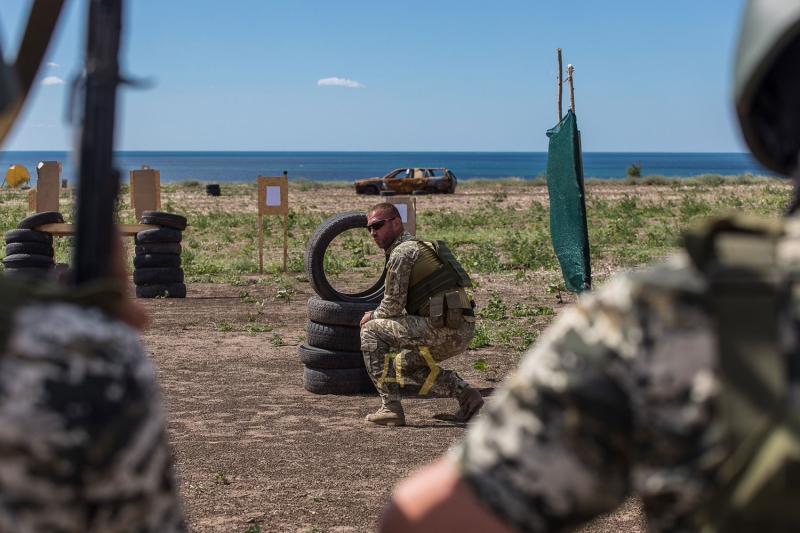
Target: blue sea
{"x": 350, "y": 166}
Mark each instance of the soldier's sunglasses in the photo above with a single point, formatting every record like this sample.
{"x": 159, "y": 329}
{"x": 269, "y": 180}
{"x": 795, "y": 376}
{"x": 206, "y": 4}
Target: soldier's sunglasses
{"x": 378, "y": 224}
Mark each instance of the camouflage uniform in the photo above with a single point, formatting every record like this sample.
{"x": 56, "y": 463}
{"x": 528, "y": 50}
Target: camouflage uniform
{"x": 420, "y": 342}
{"x": 82, "y": 430}
{"x": 618, "y": 397}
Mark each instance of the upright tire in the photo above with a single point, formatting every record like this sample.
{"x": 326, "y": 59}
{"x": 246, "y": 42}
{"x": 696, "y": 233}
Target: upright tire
{"x": 315, "y": 254}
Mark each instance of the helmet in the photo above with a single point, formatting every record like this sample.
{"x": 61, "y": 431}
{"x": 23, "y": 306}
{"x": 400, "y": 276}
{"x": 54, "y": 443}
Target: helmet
{"x": 767, "y": 82}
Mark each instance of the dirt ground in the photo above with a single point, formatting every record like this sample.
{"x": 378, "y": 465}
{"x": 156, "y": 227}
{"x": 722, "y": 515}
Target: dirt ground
{"x": 253, "y": 447}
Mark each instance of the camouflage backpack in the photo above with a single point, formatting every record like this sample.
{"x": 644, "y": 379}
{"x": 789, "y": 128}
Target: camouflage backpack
{"x": 753, "y": 274}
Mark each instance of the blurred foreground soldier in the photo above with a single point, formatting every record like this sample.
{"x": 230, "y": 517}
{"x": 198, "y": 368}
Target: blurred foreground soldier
{"x": 82, "y": 431}
{"x": 425, "y": 311}
{"x": 680, "y": 385}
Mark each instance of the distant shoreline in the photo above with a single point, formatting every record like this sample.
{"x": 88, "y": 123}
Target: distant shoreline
{"x": 225, "y": 167}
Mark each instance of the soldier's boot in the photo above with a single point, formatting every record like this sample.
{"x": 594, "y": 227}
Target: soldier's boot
{"x": 470, "y": 402}
{"x": 390, "y": 414}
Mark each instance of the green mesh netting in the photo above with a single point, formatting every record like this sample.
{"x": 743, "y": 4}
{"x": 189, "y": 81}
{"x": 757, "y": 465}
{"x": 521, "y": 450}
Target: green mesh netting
{"x": 567, "y": 205}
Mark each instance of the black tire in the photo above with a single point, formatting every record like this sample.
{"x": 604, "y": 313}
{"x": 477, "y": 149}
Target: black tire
{"x": 165, "y": 220}
{"x": 213, "y": 192}
{"x": 171, "y": 290}
{"x": 330, "y": 337}
{"x": 35, "y": 248}
{"x": 29, "y": 272}
{"x": 212, "y": 189}
{"x": 388, "y": 193}
{"x": 28, "y": 261}
{"x": 338, "y": 313}
{"x": 30, "y": 235}
{"x": 371, "y": 190}
{"x": 156, "y": 261}
{"x": 321, "y": 358}
{"x": 158, "y": 235}
{"x": 337, "y": 380}
{"x": 419, "y": 193}
{"x": 430, "y": 190}
{"x": 315, "y": 255}
{"x": 157, "y": 276}
{"x": 173, "y": 248}
{"x": 45, "y": 217}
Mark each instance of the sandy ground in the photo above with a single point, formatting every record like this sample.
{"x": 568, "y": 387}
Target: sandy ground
{"x": 252, "y": 446}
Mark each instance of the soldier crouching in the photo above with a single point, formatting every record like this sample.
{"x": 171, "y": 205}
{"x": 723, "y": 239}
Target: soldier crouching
{"x": 424, "y": 280}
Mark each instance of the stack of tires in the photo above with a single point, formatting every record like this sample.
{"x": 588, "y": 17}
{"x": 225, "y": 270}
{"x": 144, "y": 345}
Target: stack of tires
{"x": 332, "y": 354}
{"x": 157, "y": 263}
{"x": 30, "y": 251}
{"x": 212, "y": 189}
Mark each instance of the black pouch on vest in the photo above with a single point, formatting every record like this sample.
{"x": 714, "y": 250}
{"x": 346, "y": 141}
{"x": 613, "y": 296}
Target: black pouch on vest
{"x": 453, "y": 303}
{"x": 437, "y": 312}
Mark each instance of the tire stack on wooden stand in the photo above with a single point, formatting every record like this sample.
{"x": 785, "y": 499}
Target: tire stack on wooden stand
{"x": 332, "y": 354}
{"x": 30, "y": 251}
{"x": 157, "y": 263}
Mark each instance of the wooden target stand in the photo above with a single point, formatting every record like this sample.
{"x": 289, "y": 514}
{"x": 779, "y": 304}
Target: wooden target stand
{"x": 145, "y": 188}
{"x": 273, "y": 199}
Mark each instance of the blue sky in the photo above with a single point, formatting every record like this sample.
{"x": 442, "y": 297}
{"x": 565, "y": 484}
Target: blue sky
{"x": 429, "y": 75}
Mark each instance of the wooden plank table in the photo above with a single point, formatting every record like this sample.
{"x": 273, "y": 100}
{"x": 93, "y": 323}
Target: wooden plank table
{"x": 64, "y": 229}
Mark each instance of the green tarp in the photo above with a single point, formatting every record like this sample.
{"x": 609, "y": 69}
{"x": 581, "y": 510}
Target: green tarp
{"x": 567, "y": 204}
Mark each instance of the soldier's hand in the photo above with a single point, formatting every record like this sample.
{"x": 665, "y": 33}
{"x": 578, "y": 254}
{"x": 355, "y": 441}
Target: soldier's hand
{"x": 366, "y": 318}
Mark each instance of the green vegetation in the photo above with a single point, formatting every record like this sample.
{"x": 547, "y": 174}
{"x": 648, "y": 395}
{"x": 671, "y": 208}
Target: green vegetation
{"x": 501, "y": 231}
{"x": 634, "y": 171}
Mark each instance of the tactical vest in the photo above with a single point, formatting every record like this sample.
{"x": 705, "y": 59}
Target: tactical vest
{"x": 753, "y": 275}
{"x": 434, "y": 273}
{"x": 17, "y": 291}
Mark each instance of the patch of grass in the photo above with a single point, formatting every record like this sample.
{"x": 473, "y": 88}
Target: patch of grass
{"x": 224, "y": 325}
{"x": 285, "y": 294}
{"x": 254, "y": 528}
{"x": 483, "y": 336}
{"x": 495, "y": 309}
{"x": 257, "y": 328}
{"x": 490, "y": 371}
{"x": 277, "y": 340}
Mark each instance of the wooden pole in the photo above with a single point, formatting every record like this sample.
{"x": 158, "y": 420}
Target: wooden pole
{"x": 560, "y": 83}
{"x": 570, "y": 70}
{"x": 260, "y": 245}
{"x": 285, "y": 240}
{"x": 285, "y": 226}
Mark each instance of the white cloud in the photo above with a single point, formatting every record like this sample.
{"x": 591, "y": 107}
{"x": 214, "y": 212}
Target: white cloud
{"x": 340, "y": 82}
{"x": 52, "y": 80}
{"x": 51, "y": 64}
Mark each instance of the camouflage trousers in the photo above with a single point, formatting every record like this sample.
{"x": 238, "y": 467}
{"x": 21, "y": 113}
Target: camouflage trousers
{"x": 422, "y": 347}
